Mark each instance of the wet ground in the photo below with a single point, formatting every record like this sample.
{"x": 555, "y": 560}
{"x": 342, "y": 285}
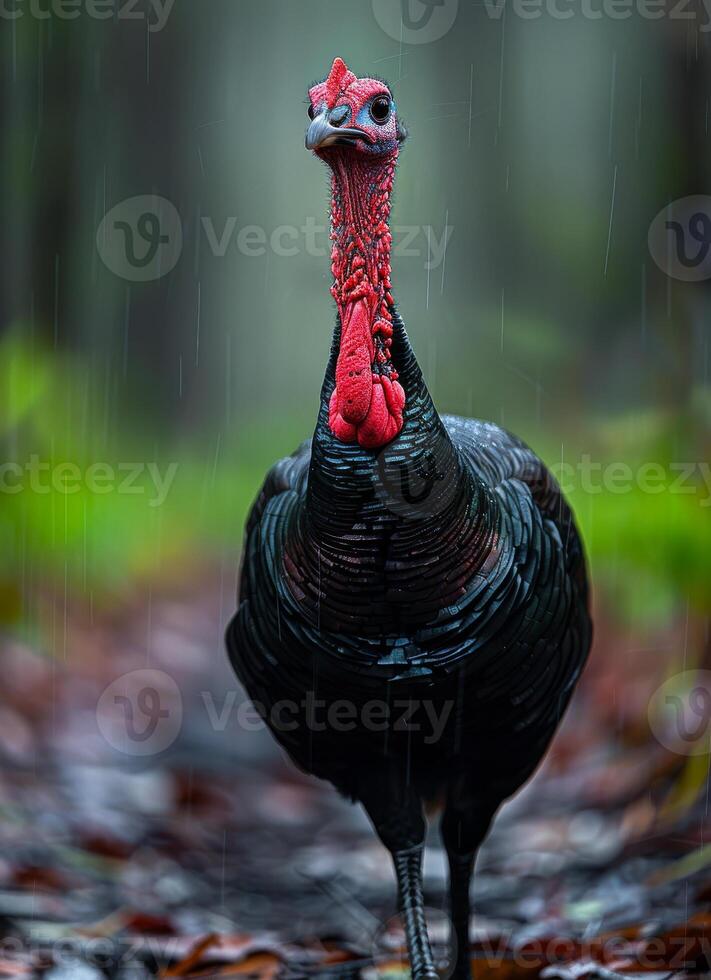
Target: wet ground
{"x": 149, "y": 826}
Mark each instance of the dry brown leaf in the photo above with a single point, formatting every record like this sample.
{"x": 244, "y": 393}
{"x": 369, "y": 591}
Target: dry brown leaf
{"x": 505, "y": 969}
{"x": 150, "y": 925}
{"x": 11, "y": 968}
{"x": 193, "y": 958}
{"x": 260, "y": 966}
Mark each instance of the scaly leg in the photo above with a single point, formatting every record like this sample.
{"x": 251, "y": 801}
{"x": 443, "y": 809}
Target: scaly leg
{"x": 464, "y": 827}
{"x": 408, "y": 868}
{"x": 396, "y": 814}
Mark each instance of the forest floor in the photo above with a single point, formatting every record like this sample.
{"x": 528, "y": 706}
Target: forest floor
{"x": 184, "y": 845}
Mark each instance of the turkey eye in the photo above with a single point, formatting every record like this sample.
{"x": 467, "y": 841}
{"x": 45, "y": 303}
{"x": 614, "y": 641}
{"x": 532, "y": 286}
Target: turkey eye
{"x": 311, "y": 111}
{"x": 380, "y": 110}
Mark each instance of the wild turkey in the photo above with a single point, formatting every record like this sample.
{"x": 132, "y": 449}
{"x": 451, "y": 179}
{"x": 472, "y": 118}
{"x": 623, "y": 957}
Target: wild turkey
{"x": 405, "y": 564}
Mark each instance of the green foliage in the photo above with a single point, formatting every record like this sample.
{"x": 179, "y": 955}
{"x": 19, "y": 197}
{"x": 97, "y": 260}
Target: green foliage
{"x": 153, "y": 505}
{"x": 94, "y": 513}
{"x": 642, "y": 497}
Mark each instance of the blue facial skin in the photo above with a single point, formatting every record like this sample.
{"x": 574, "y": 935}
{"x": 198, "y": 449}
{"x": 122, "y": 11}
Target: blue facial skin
{"x": 365, "y": 121}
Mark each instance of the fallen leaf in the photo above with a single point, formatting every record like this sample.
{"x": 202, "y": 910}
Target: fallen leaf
{"x": 193, "y": 958}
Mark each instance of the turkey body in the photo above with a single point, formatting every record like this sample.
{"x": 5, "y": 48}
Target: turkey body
{"x": 413, "y": 610}
{"x": 417, "y": 614}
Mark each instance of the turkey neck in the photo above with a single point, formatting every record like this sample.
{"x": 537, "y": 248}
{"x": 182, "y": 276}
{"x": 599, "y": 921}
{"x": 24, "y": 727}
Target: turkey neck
{"x": 414, "y": 478}
{"x": 367, "y": 401}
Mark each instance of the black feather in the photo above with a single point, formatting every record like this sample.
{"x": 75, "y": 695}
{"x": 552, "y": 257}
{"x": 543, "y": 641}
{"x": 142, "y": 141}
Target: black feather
{"x": 445, "y": 567}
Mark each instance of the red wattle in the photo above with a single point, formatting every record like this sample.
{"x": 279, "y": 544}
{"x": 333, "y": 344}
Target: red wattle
{"x": 384, "y": 419}
{"x": 354, "y": 382}
{"x": 367, "y": 402}
{"x": 339, "y": 427}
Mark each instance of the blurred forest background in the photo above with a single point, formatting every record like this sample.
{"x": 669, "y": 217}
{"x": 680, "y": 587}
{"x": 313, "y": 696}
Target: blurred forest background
{"x": 544, "y": 147}
{"x": 541, "y": 150}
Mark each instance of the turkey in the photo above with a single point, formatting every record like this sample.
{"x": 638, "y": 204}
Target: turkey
{"x": 413, "y": 609}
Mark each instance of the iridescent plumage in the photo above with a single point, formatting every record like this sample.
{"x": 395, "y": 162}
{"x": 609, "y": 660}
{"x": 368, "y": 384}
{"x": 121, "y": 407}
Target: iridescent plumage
{"x": 441, "y": 568}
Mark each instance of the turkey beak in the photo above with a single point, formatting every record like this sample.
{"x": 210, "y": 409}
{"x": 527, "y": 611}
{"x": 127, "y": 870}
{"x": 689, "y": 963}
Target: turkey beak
{"x": 326, "y": 129}
{"x": 319, "y": 131}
